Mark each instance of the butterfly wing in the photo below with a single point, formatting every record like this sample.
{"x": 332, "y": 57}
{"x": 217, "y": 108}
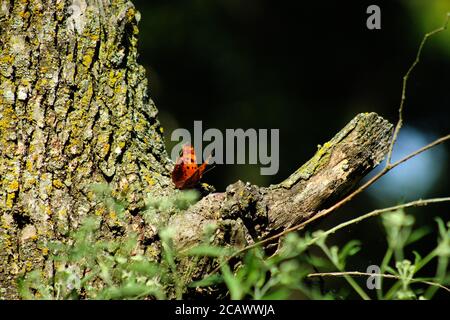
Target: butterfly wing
{"x": 183, "y": 174}
{"x": 194, "y": 178}
{"x": 186, "y": 173}
{"x": 179, "y": 175}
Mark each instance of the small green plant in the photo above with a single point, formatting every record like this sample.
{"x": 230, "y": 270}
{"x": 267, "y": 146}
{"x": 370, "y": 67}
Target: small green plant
{"x": 93, "y": 268}
{"x": 288, "y": 273}
{"x": 87, "y": 266}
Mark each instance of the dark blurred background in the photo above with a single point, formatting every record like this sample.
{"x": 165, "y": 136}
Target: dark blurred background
{"x": 307, "y": 68}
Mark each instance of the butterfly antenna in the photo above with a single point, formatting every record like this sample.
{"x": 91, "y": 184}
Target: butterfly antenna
{"x": 209, "y": 169}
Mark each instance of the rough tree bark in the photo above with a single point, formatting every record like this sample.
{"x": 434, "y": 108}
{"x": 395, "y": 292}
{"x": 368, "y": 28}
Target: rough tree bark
{"x": 74, "y": 111}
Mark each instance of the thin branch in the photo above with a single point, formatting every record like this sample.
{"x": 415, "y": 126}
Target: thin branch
{"x": 404, "y": 85}
{"x": 428, "y": 146}
{"x": 389, "y": 166}
{"x": 363, "y": 274}
{"x": 377, "y": 212}
{"x": 324, "y": 212}
{"x": 351, "y": 195}
{"x": 373, "y": 213}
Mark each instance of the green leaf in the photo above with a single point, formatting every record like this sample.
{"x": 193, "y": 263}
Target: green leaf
{"x": 391, "y": 270}
{"x": 209, "y": 251}
{"x": 318, "y": 262}
{"x": 145, "y": 268}
{"x": 279, "y": 294}
{"x": 350, "y": 249}
{"x": 207, "y": 281}
{"x": 418, "y": 234}
{"x": 186, "y": 198}
{"x": 233, "y": 285}
{"x": 100, "y": 188}
{"x": 417, "y": 257}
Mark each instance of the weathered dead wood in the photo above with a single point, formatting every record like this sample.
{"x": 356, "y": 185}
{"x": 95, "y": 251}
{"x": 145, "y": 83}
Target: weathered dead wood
{"x": 248, "y": 212}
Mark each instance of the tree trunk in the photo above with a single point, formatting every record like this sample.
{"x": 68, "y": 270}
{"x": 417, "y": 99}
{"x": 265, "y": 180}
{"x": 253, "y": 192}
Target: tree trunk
{"x": 74, "y": 111}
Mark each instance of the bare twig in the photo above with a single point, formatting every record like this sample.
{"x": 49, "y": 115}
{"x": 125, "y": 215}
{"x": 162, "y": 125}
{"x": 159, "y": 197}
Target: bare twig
{"x": 373, "y": 213}
{"x": 405, "y": 82}
{"x": 389, "y": 165}
{"x": 377, "y": 212}
{"x": 347, "y": 198}
{"x": 428, "y": 146}
{"x": 363, "y": 274}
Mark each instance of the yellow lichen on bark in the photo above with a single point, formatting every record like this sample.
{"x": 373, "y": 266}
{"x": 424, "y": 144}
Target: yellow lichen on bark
{"x": 74, "y": 111}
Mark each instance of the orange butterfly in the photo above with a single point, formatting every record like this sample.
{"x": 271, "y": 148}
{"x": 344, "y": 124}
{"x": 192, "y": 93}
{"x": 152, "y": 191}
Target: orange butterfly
{"x": 186, "y": 173}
